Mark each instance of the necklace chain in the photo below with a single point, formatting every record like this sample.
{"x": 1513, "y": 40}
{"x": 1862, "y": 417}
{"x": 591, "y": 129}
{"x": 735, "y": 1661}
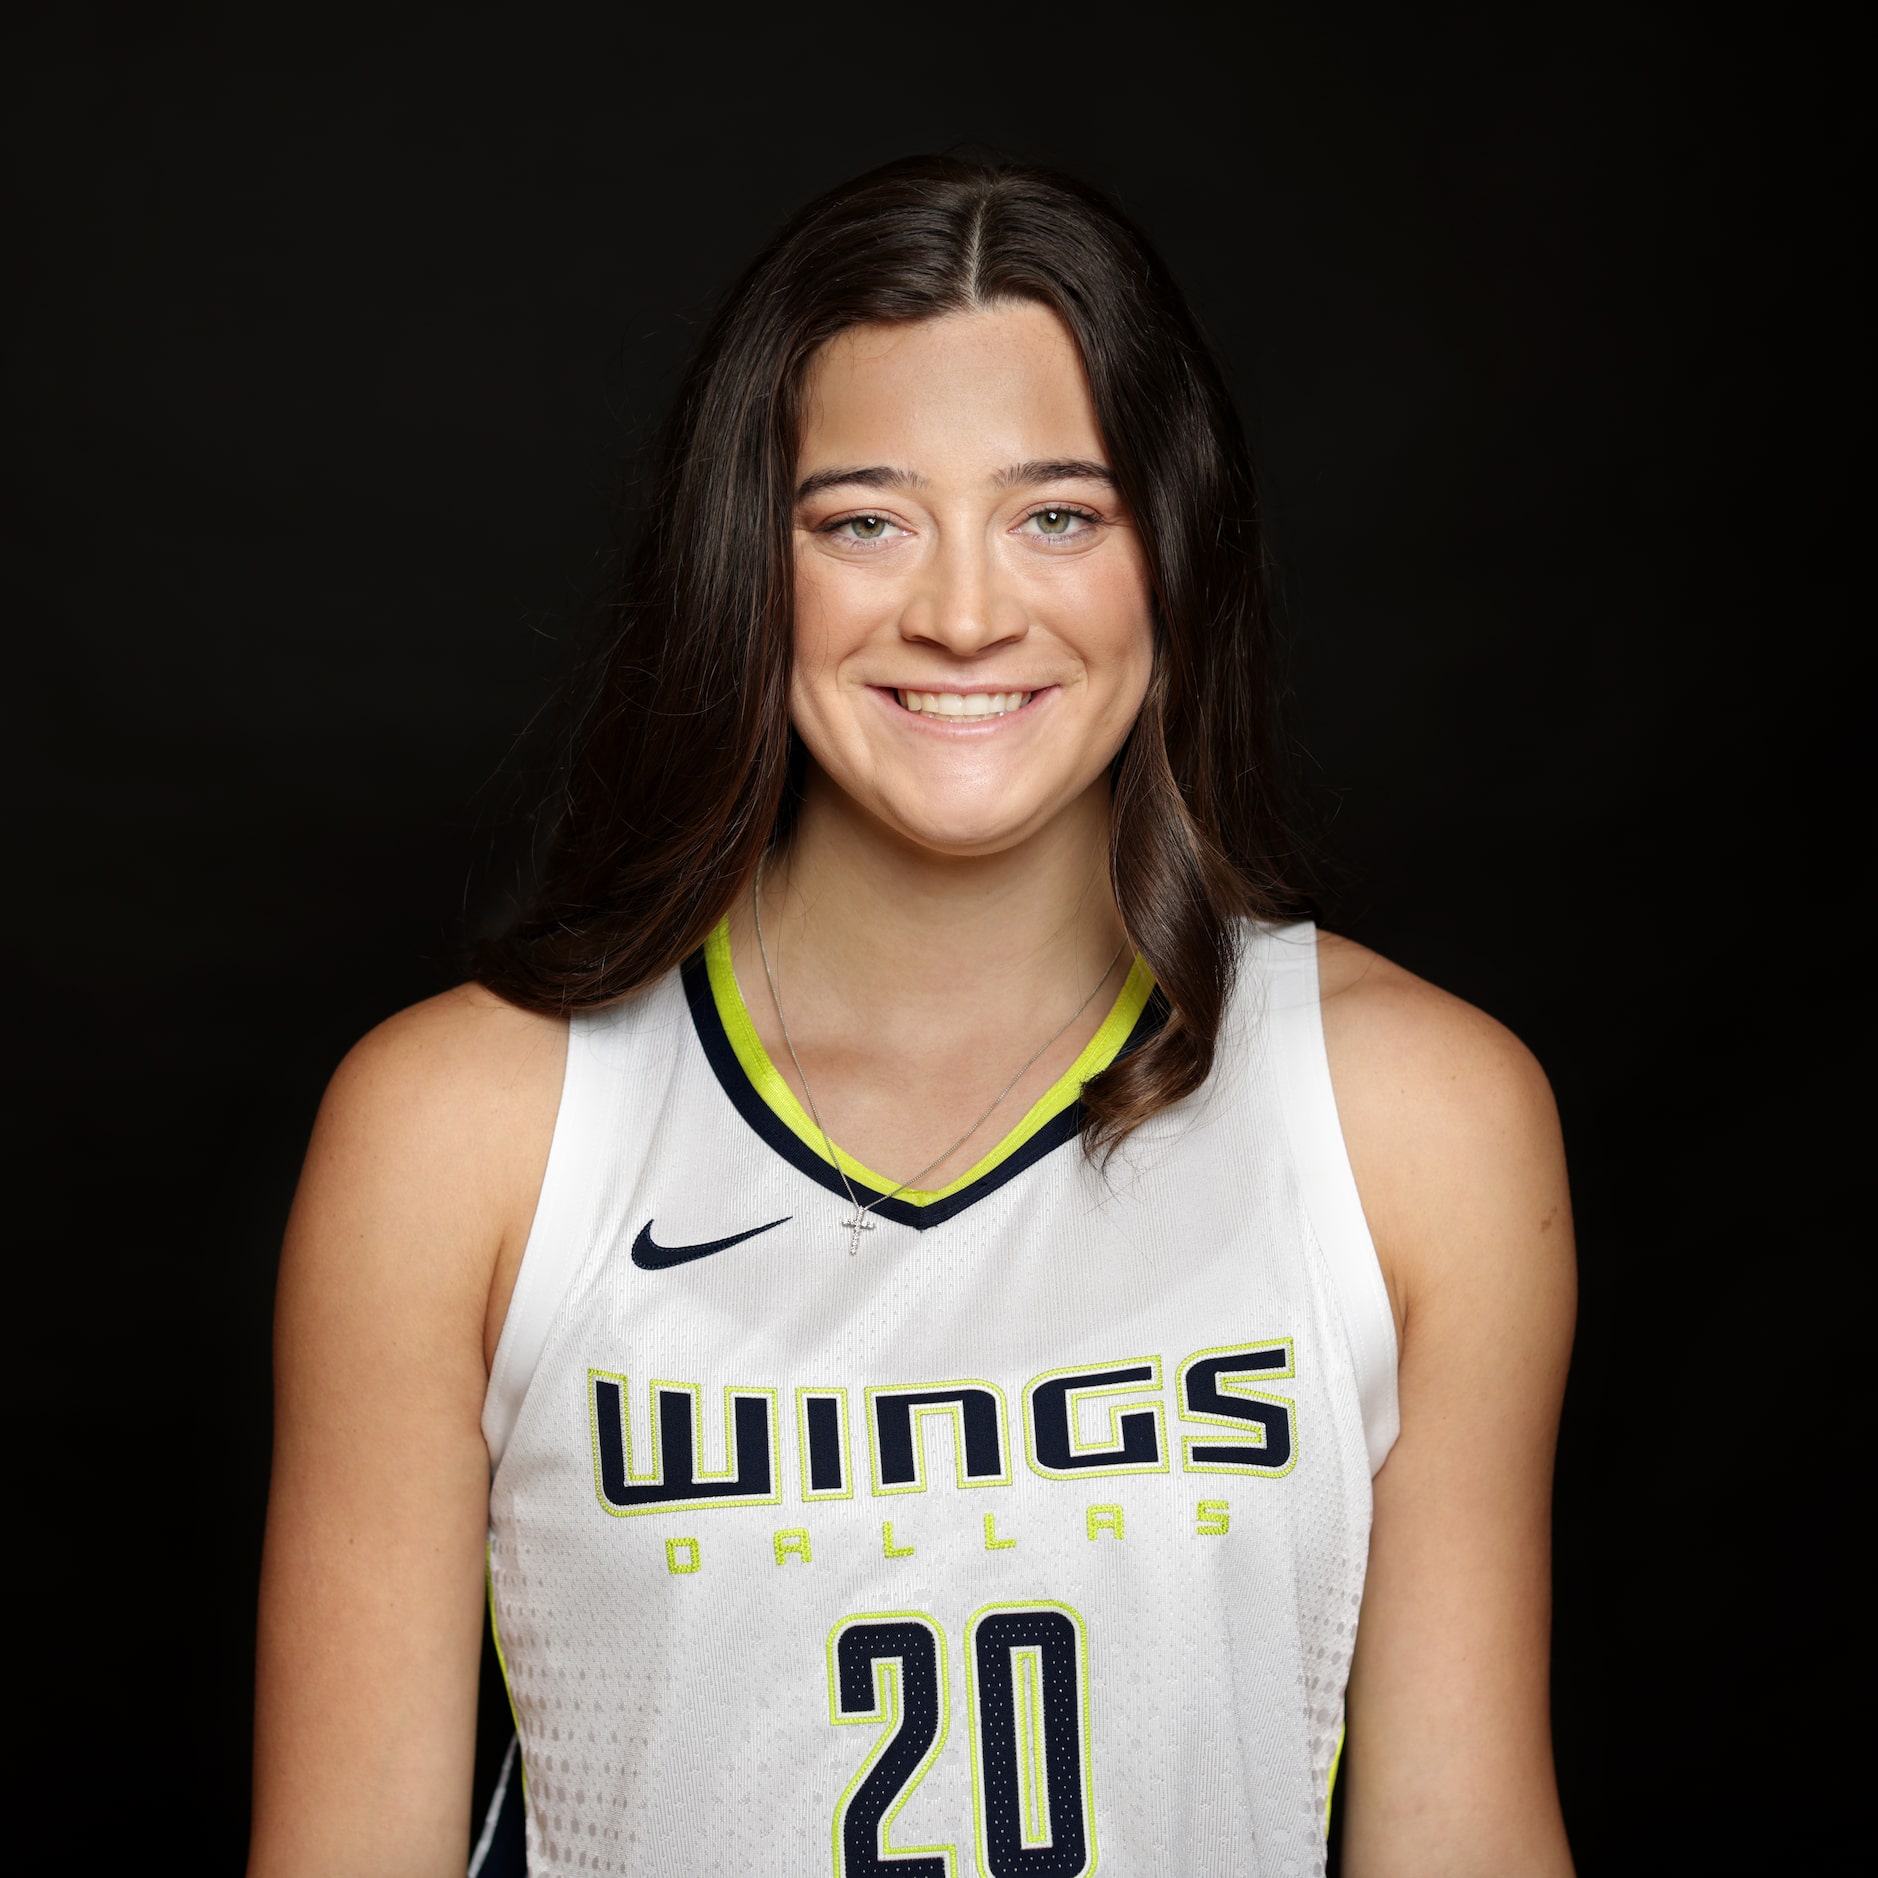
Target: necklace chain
{"x": 859, "y": 1222}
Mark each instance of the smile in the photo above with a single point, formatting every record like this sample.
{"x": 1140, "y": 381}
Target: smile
{"x": 963, "y": 703}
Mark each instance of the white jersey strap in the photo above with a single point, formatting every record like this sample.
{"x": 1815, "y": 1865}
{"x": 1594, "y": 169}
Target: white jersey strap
{"x": 586, "y": 1131}
{"x": 1286, "y": 963}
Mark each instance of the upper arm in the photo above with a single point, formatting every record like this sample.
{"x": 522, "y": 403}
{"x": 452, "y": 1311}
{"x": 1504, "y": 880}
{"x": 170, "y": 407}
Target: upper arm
{"x": 416, "y": 1184}
{"x": 1455, "y": 1143}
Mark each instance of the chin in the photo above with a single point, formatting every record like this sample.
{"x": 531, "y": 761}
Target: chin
{"x": 966, "y": 833}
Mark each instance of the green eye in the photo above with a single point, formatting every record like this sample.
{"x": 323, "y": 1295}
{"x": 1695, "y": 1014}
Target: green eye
{"x": 868, "y": 527}
{"x": 1055, "y": 521}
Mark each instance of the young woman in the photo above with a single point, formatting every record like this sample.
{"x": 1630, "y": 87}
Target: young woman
{"x": 956, "y": 1329}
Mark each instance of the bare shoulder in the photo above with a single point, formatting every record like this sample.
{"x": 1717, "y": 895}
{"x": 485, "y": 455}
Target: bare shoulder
{"x": 1388, "y": 1029}
{"x": 462, "y": 1050}
{"x": 1449, "y": 1120}
{"x": 437, "y": 1124}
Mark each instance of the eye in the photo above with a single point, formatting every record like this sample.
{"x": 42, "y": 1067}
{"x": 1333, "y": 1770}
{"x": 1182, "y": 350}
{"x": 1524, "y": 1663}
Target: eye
{"x": 859, "y": 529}
{"x": 1056, "y": 521}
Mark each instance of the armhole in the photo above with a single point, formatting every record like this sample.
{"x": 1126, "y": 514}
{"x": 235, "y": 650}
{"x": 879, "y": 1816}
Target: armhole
{"x": 1296, "y": 1027}
{"x": 557, "y": 1238}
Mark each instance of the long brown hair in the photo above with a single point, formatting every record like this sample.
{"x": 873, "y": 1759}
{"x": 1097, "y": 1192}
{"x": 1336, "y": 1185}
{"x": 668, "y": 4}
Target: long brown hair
{"x": 683, "y": 767}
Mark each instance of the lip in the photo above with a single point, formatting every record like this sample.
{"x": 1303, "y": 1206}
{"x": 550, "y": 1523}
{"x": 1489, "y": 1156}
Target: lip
{"x": 961, "y": 726}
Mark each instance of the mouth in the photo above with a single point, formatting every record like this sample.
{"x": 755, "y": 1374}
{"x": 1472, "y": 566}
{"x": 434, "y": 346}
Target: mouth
{"x": 963, "y": 704}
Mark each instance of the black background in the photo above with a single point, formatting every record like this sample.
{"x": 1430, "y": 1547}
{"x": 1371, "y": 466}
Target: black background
{"x": 332, "y": 334}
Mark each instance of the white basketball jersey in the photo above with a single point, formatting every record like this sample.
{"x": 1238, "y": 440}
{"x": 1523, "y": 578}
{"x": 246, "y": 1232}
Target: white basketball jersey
{"x": 1026, "y": 1539}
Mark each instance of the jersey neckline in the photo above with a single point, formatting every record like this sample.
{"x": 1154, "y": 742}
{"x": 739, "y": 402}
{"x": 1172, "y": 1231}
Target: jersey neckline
{"x": 766, "y": 1102}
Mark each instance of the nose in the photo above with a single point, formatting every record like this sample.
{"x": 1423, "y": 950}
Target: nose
{"x": 961, "y": 601}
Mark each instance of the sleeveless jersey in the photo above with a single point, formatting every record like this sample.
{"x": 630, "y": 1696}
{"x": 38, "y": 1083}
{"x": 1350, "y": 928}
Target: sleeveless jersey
{"x": 1028, "y": 1538}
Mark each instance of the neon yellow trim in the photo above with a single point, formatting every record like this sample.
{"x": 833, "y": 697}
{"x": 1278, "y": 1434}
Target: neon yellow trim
{"x": 1029, "y": 1741}
{"x": 974, "y": 1698}
{"x": 953, "y": 1411}
{"x": 1116, "y": 1410}
{"x": 1100, "y": 1051}
{"x": 835, "y": 1393}
{"x": 734, "y": 1459}
{"x": 889, "y": 1676}
{"x": 1330, "y": 1791}
{"x": 1232, "y": 1382}
{"x": 502, "y": 1662}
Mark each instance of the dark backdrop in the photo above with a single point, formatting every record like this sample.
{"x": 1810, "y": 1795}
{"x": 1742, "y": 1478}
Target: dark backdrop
{"x": 331, "y": 337}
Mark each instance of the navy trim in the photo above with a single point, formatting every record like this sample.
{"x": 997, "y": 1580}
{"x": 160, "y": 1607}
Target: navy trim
{"x": 767, "y": 1123}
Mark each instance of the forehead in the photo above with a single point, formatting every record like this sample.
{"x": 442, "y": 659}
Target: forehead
{"x": 989, "y": 387}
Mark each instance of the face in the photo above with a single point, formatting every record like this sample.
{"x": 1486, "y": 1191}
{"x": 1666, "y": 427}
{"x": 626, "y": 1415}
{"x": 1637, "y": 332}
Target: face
{"x": 973, "y": 626}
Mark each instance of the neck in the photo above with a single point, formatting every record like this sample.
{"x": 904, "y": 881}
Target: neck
{"x": 996, "y": 942}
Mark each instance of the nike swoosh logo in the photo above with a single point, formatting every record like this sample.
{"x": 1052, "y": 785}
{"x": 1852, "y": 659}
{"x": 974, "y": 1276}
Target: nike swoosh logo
{"x": 650, "y": 1256}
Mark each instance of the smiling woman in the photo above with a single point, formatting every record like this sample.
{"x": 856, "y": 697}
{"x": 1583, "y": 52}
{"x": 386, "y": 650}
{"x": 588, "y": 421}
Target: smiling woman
{"x": 998, "y": 594}
{"x": 959, "y": 346}
{"x": 938, "y": 715}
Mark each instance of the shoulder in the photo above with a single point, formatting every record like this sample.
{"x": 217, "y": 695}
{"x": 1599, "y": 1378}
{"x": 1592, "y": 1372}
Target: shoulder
{"x": 1449, "y": 1120}
{"x": 1394, "y": 1037}
{"x": 459, "y": 1056}
{"x": 449, "y": 1105}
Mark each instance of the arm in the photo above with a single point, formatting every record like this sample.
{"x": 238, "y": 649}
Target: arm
{"x": 1455, "y": 1143}
{"x": 411, "y": 1213}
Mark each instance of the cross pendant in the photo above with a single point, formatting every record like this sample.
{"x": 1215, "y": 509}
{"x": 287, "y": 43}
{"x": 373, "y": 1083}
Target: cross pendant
{"x": 859, "y": 1224}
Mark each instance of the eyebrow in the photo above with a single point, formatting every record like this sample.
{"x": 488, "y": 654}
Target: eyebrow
{"x": 875, "y": 476}
{"x": 1012, "y": 476}
{"x": 1054, "y": 469}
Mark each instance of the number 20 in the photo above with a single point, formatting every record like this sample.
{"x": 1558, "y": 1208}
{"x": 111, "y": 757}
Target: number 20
{"x": 1027, "y": 1692}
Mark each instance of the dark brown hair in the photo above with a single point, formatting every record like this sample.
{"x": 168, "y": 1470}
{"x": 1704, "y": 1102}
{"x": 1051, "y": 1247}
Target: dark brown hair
{"x": 683, "y": 765}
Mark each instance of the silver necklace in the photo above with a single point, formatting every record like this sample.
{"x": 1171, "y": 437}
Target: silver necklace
{"x": 858, "y": 1222}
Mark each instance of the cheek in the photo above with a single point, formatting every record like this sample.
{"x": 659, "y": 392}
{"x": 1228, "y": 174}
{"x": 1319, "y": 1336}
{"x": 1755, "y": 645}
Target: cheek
{"x": 822, "y": 635}
{"x": 827, "y": 625}
{"x": 1119, "y": 624}
{"x": 810, "y": 623}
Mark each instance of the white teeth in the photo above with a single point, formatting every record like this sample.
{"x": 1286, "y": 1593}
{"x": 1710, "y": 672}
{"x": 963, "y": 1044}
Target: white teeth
{"x": 964, "y": 703}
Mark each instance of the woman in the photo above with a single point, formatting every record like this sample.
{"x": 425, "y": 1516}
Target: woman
{"x": 962, "y": 1320}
